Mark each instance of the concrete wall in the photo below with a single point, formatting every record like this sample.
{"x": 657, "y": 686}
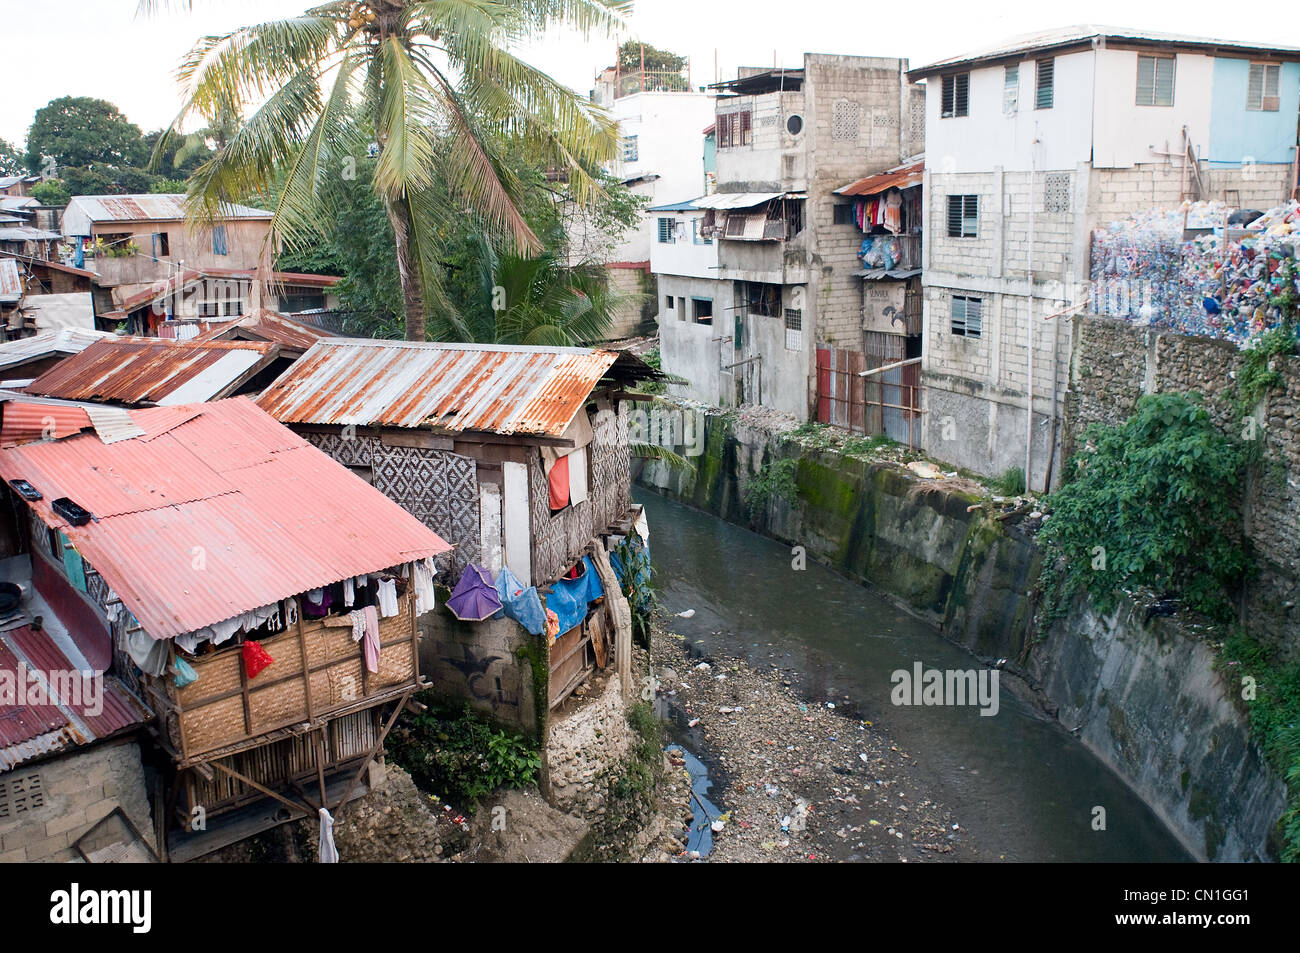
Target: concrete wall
{"x": 687, "y": 254}
{"x": 244, "y": 247}
{"x": 76, "y": 791}
{"x": 1145, "y": 697}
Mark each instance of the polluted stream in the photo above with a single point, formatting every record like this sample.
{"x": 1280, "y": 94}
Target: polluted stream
{"x": 1022, "y": 786}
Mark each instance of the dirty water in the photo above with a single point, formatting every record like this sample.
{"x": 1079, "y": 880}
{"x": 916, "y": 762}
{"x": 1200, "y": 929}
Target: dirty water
{"x": 1022, "y": 786}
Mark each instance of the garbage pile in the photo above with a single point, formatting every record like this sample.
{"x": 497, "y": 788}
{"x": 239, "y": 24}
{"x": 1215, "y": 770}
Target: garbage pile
{"x": 1151, "y": 270}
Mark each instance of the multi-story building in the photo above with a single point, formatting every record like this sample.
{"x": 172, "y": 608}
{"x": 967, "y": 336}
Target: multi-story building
{"x": 741, "y": 318}
{"x": 1032, "y": 145}
{"x": 657, "y": 111}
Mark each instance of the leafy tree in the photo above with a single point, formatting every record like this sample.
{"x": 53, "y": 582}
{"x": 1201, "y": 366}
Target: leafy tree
{"x": 1153, "y": 502}
{"x": 631, "y": 52}
{"x": 11, "y": 159}
{"x": 83, "y": 131}
{"x": 430, "y": 125}
{"x": 51, "y": 192}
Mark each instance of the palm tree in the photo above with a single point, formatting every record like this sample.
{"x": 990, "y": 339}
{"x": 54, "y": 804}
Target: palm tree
{"x": 429, "y": 89}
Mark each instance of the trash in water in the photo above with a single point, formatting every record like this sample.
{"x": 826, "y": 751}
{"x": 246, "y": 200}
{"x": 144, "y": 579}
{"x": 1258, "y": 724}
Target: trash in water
{"x": 699, "y": 839}
{"x": 686, "y": 614}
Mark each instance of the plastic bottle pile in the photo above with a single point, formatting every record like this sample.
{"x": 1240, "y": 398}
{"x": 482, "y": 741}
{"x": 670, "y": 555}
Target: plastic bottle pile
{"x": 1144, "y": 271}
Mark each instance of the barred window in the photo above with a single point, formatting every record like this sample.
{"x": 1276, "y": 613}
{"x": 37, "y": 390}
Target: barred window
{"x": 666, "y": 232}
{"x": 793, "y": 329}
{"x": 967, "y": 316}
{"x": 963, "y": 216}
{"x": 956, "y": 95}
{"x": 630, "y": 151}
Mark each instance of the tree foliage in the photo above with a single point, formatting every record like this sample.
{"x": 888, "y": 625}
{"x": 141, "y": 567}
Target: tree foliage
{"x": 1153, "y": 502}
{"x": 83, "y": 131}
{"x": 11, "y": 159}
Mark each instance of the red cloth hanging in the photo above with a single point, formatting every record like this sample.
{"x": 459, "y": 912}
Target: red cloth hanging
{"x": 558, "y": 481}
{"x": 255, "y": 658}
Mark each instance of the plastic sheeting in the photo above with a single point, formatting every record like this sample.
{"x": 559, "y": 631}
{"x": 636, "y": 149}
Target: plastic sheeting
{"x": 520, "y": 603}
{"x": 568, "y": 598}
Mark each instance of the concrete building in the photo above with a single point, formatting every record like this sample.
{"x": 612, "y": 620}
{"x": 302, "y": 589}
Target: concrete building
{"x": 657, "y": 113}
{"x": 1032, "y": 145}
{"x": 747, "y": 314}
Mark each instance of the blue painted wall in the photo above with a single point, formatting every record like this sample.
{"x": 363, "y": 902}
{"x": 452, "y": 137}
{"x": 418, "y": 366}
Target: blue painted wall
{"x": 1237, "y": 132}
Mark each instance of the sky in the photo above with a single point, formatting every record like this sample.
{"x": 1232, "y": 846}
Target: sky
{"x": 100, "y": 48}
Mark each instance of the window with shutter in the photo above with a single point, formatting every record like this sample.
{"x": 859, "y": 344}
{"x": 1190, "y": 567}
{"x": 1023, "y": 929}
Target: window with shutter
{"x": 746, "y": 130}
{"x": 1155, "y": 81}
{"x": 1262, "y": 89}
{"x": 666, "y": 231}
{"x": 967, "y": 316}
{"x": 630, "y": 151}
{"x": 1011, "y": 90}
{"x": 955, "y": 101}
{"x": 1044, "y": 91}
{"x": 963, "y": 216}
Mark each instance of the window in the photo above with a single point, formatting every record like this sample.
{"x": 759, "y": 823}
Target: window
{"x": 846, "y": 120}
{"x": 696, "y": 236}
{"x": 1043, "y": 87}
{"x": 793, "y": 329}
{"x": 1155, "y": 82}
{"x": 667, "y": 234}
{"x": 967, "y": 316}
{"x": 668, "y": 303}
{"x": 219, "y": 240}
{"x": 963, "y": 216}
{"x": 794, "y": 125}
{"x": 762, "y": 299}
{"x": 956, "y": 89}
{"x": 703, "y": 308}
{"x": 1262, "y": 90}
{"x": 735, "y": 129}
{"x": 1011, "y": 90}
{"x": 629, "y": 149}
{"x": 1056, "y": 192}
{"x": 842, "y": 214}
{"x": 161, "y": 245}
{"x": 20, "y": 795}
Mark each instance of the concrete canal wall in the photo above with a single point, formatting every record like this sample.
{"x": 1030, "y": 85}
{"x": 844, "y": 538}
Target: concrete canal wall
{"x": 1143, "y": 695}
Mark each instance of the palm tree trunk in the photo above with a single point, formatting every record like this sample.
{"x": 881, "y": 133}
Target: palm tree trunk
{"x": 399, "y": 215}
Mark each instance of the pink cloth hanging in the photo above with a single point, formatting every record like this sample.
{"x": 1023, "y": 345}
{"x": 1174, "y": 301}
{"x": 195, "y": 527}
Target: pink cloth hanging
{"x": 370, "y": 641}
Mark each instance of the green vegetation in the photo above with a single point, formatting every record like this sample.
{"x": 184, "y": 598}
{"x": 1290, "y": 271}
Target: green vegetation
{"x": 637, "y": 586}
{"x": 1011, "y": 483}
{"x": 1274, "y": 718}
{"x": 1153, "y": 502}
{"x": 459, "y": 756}
{"x": 866, "y": 446}
{"x": 774, "y": 481}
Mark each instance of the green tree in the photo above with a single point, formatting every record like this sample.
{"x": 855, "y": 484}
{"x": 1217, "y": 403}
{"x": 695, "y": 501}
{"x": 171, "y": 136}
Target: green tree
{"x": 631, "y": 53}
{"x": 439, "y": 87}
{"x": 83, "y": 131}
{"x": 11, "y": 159}
{"x": 51, "y": 192}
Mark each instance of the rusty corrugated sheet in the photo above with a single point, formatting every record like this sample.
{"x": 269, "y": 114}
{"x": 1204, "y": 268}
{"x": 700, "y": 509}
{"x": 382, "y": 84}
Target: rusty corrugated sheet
{"x": 267, "y": 325}
{"x": 454, "y": 387}
{"x": 216, "y": 510}
{"x": 901, "y": 178}
{"x": 84, "y": 715}
{"x": 133, "y": 370}
{"x": 47, "y": 344}
{"x": 11, "y": 280}
{"x": 23, "y": 422}
{"x": 142, "y": 208}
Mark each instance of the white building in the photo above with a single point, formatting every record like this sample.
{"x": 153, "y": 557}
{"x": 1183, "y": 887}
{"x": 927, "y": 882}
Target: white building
{"x": 1029, "y": 147}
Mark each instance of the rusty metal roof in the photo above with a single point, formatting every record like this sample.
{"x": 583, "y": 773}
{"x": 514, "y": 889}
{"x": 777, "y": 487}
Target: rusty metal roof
{"x": 490, "y": 388}
{"x": 266, "y": 325}
{"x": 135, "y": 370}
{"x": 902, "y": 177}
{"x": 215, "y": 510}
{"x": 48, "y": 344}
{"x": 144, "y": 208}
{"x": 11, "y": 280}
{"x": 32, "y": 727}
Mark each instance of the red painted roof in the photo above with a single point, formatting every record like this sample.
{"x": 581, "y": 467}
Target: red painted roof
{"x": 86, "y": 713}
{"x": 22, "y": 422}
{"x": 215, "y": 510}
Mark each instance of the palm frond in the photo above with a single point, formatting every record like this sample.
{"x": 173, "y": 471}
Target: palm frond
{"x": 649, "y": 451}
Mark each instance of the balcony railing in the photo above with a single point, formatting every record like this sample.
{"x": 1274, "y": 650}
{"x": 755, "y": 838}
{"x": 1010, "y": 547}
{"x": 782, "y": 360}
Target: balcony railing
{"x": 651, "y": 81}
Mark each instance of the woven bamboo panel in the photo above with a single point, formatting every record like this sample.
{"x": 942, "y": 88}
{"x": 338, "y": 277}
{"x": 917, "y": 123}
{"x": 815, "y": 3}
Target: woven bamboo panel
{"x": 330, "y": 644}
{"x": 396, "y": 665}
{"x": 213, "y": 725}
{"x": 274, "y": 706}
{"x": 337, "y": 686}
{"x": 218, "y": 674}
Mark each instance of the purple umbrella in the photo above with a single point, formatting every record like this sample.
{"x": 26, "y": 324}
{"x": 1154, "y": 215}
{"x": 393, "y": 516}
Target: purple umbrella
{"x": 475, "y": 596}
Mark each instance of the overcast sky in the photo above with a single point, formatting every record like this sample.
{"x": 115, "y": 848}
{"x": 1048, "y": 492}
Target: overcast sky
{"x": 99, "y": 47}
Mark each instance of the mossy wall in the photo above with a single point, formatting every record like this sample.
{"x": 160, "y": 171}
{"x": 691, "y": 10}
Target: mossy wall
{"x": 1142, "y": 695}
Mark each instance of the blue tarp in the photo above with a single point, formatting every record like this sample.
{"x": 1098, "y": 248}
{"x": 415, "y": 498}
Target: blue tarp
{"x": 569, "y": 597}
{"x": 522, "y": 604}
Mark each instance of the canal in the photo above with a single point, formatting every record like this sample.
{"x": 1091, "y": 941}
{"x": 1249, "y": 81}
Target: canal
{"x": 1019, "y": 783}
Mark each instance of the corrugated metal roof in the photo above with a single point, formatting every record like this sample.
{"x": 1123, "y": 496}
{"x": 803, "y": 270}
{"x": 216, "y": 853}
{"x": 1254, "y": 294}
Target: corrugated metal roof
{"x": 267, "y": 325}
{"x": 62, "y": 341}
{"x": 902, "y": 177}
{"x": 736, "y": 199}
{"x": 134, "y": 370}
{"x": 455, "y": 387}
{"x": 1074, "y": 35}
{"x": 144, "y": 208}
{"x": 217, "y": 510}
{"x": 53, "y": 312}
{"x": 85, "y": 714}
{"x": 11, "y": 280}
{"x": 23, "y": 233}
{"x": 23, "y": 422}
